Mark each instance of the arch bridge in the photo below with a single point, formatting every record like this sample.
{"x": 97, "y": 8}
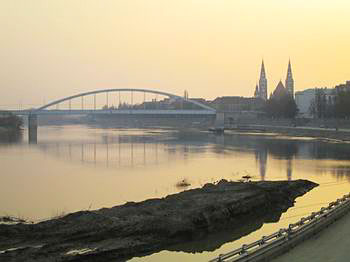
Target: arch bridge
{"x": 129, "y": 109}
{"x": 174, "y": 106}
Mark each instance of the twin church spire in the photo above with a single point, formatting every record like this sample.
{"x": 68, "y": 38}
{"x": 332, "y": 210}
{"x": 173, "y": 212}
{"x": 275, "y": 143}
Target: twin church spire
{"x": 263, "y": 82}
{"x": 289, "y": 84}
{"x": 261, "y": 89}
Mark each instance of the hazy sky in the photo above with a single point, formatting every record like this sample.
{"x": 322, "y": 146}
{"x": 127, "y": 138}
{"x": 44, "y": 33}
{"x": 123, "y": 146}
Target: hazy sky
{"x": 54, "y": 48}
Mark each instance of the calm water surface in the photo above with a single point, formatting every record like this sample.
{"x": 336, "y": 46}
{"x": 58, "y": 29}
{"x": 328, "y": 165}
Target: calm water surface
{"x": 79, "y": 168}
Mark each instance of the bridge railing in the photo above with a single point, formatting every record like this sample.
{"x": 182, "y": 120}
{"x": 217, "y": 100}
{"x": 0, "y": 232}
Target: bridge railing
{"x": 266, "y": 243}
{"x": 115, "y": 111}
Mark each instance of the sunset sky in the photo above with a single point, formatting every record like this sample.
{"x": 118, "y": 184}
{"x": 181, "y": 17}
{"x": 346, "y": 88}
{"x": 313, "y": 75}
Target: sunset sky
{"x": 54, "y": 48}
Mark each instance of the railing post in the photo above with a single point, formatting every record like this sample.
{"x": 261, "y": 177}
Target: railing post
{"x": 262, "y": 241}
{"x": 220, "y": 258}
{"x": 243, "y": 249}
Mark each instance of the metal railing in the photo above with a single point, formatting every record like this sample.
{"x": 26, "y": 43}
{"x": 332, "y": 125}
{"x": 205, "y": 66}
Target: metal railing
{"x": 284, "y": 235}
{"x": 115, "y": 111}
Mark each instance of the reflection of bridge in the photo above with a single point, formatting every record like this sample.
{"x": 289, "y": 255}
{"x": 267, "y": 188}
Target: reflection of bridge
{"x": 130, "y": 150}
{"x": 144, "y": 108}
{"x": 117, "y": 153}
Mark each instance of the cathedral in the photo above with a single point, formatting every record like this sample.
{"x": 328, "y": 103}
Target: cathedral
{"x": 261, "y": 89}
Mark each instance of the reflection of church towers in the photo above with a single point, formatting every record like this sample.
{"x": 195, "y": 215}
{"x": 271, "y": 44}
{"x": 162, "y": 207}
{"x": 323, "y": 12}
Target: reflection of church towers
{"x": 289, "y": 169}
{"x": 289, "y": 84}
{"x": 261, "y": 156}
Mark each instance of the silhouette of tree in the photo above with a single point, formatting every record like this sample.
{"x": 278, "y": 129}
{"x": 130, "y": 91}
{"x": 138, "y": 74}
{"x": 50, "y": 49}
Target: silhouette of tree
{"x": 334, "y": 105}
{"x": 342, "y": 104}
{"x": 8, "y": 120}
{"x": 318, "y": 107}
{"x": 282, "y": 106}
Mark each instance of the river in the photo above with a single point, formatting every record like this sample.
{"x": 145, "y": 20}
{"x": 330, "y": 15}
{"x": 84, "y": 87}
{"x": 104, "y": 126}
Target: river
{"x": 75, "y": 168}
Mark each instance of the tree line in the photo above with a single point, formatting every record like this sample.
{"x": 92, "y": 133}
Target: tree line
{"x": 10, "y": 121}
{"x": 281, "y": 106}
{"x": 325, "y": 104}
{"x": 330, "y": 105}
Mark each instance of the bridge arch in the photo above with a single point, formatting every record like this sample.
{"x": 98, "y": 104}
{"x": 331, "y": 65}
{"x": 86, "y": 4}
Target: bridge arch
{"x": 125, "y": 90}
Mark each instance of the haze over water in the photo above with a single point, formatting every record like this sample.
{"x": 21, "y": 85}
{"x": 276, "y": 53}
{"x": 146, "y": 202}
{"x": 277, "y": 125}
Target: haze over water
{"x": 54, "y": 49}
{"x": 79, "y": 168}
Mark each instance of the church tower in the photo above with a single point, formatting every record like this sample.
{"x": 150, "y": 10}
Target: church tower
{"x": 263, "y": 83}
{"x": 289, "y": 81}
{"x": 256, "y": 93}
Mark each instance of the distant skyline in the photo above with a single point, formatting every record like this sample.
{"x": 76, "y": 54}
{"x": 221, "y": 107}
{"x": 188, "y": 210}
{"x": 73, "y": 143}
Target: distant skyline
{"x": 53, "y": 49}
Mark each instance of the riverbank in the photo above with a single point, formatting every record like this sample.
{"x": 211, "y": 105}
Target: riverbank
{"x": 3, "y": 130}
{"x": 136, "y": 229}
{"x": 312, "y": 132}
{"x": 10, "y": 134}
{"x": 10, "y": 127}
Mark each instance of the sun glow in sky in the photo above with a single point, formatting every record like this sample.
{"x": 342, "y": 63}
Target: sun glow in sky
{"x": 52, "y": 49}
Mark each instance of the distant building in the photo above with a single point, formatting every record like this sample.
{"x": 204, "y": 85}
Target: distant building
{"x": 305, "y": 98}
{"x": 261, "y": 89}
{"x": 186, "y": 94}
{"x": 289, "y": 84}
{"x": 256, "y": 93}
{"x": 343, "y": 87}
{"x": 4, "y": 114}
{"x": 279, "y": 91}
{"x": 200, "y": 100}
{"x": 237, "y": 103}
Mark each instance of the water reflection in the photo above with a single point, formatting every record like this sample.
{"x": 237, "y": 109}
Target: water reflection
{"x": 215, "y": 241}
{"x": 341, "y": 172}
{"x": 261, "y": 160}
{"x": 75, "y": 167}
{"x": 118, "y": 153}
{"x": 117, "y": 150}
{"x": 289, "y": 169}
{"x": 11, "y": 137}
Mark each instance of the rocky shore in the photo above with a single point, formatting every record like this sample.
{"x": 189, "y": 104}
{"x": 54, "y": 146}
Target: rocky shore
{"x": 136, "y": 229}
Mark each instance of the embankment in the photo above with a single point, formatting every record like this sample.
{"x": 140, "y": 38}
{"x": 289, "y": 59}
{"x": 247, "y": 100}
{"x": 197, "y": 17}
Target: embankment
{"x": 10, "y": 135}
{"x": 10, "y": 127}
{"x": 321, "y": 133}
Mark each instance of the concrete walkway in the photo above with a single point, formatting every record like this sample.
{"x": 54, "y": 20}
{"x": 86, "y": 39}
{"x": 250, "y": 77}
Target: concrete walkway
{"x": 331, "y": 244}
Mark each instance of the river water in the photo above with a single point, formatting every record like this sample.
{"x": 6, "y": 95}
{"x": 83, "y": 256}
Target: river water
{"x": 75, "y": 168}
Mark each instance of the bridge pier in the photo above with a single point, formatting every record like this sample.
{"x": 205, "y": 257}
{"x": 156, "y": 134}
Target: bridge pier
{"x": 32, "y": 129}
{"x": 219, "y": 126}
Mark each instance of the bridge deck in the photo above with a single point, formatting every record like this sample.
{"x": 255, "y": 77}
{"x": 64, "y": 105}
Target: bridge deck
{"x": 120, "y": 112}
